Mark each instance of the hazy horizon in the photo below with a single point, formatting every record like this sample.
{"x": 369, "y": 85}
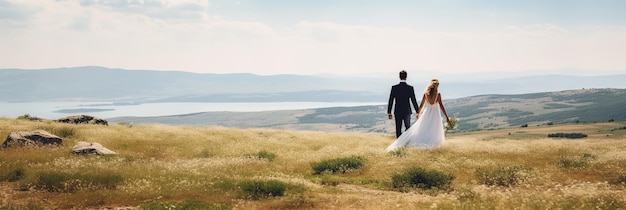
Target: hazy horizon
{"x": 317, "y": 37}
{"x": 388, "y": 74}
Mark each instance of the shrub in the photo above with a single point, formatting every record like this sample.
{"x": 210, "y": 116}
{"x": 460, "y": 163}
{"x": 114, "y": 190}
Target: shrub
{"x": 262, "y": 189}
{"x": 575, "y": 162}
{"x": 572, "y": 163}
{"x": 15, "y": 175}
{"x": 103, "y": 180}
{"x": 52, "y": 181}
{"x": 568, "y": 135}
{"x": 205, "y": 153}
{"x": 12, "y": 173}
{"x": 28, "y": 117}
{"x": 342, "y": 165}
{"x": 65, "y": 182}
{"x": 64, "y": 132}
{"x": 265, "y": 155}
{"x": 24, "y": 117}
{"x": 329, "y": 180}
{"x": 503, "y": 175}
{"x": 399, "y": 152}
{"x": 621, "y": 180}
{"x": 417, "y": 177}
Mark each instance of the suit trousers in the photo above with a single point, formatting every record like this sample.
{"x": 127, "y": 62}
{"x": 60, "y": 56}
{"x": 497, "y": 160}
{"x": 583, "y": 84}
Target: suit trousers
{"x": 406, "y": 119}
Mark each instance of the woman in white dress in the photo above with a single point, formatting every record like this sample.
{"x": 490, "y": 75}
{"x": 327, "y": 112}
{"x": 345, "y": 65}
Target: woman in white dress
{"x": 427, "y": 132}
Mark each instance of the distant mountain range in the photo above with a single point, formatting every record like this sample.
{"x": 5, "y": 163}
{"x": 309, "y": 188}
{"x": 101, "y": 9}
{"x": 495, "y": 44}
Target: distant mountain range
{"x": 475, "y": 113}
{"x": 92, "y": 83}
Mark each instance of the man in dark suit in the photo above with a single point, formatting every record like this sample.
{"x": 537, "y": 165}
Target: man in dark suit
{"x": 402, "y": 93}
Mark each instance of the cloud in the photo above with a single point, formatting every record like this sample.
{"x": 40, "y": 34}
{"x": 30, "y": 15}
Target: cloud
{"x": 183, "y": 35}
{"x": 512, "y": 48}
{"x": 14, "y": 12}
{"x": 163, "y": 9}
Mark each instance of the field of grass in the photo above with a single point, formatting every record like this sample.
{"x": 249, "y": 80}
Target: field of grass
{"x": 184, "y": 167}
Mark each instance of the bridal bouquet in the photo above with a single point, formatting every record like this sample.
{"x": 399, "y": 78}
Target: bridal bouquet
{"x": 452, "y": 125}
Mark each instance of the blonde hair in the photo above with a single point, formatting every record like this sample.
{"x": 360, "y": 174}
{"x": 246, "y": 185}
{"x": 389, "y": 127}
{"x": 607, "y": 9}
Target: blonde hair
{"x": 432, "y": 87}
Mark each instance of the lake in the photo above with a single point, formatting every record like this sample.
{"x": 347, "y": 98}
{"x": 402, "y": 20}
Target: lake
{"x": 55, "y": 110}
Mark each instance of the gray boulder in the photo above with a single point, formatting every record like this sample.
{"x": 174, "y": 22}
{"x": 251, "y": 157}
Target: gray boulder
{"x": 83, "y": 119}
{"x": 31, "y": 138}
{"x": 84, "y": 148}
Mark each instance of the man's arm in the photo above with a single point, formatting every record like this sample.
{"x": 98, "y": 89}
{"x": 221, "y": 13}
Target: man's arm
{"x": 390, "y": 104}
{"x": 414, "y": 101}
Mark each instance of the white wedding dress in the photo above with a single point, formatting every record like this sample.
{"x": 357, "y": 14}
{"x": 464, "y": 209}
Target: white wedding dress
{"x": 427, "y": 132}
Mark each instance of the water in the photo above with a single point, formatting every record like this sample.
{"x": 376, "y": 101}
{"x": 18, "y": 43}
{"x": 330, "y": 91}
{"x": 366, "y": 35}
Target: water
{"x": 55, "y": 110}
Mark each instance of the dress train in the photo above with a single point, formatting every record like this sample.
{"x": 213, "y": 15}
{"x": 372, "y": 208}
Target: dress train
{"x": 427, "y": 132}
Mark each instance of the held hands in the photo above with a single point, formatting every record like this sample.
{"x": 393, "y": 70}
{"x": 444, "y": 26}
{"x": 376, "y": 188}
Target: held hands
{"x": 417, "y": 116}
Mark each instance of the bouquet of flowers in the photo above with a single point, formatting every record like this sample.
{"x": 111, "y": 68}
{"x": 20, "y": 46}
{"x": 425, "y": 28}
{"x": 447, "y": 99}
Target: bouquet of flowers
{"x": 451, "y": 125}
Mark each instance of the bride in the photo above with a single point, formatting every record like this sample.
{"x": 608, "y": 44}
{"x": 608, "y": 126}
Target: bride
{"x": 428, "y": 131}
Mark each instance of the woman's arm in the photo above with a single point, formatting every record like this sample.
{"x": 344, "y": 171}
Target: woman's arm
{"x": 443, "y": 109}
{"x": 419, "y": 109}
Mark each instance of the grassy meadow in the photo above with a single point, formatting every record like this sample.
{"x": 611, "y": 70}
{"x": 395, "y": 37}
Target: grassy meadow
{"x": 185, "y": 167}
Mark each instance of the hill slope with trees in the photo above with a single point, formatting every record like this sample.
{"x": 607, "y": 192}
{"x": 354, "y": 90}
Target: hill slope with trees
{"x": 475, "y": 113}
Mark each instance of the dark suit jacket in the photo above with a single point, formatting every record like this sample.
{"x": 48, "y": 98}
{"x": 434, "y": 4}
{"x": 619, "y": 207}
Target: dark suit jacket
{"x": 402, "y": 93}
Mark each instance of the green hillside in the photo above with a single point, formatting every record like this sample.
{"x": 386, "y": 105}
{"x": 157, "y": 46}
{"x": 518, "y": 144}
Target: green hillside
{"x": 500, "y": 111}
{"x": 475, "y": 113}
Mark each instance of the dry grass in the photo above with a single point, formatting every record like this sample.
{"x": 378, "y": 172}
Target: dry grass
{"x": 170, "y": 164}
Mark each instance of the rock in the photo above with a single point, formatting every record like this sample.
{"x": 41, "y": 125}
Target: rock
{"x": 83, "y": 119}
{"x": 31, "y": 138}
{"x": 82, "y": 148}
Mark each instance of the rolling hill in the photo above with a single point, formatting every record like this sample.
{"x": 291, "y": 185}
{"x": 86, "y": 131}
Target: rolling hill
{"x": 475, "y": 113}
{"x": 93, "y": 83}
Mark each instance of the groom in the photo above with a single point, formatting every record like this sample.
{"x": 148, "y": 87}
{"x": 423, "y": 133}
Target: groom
{"x": 402, "y": 93}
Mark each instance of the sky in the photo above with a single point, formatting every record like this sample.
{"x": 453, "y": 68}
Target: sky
{"x": 347, "y": 37}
